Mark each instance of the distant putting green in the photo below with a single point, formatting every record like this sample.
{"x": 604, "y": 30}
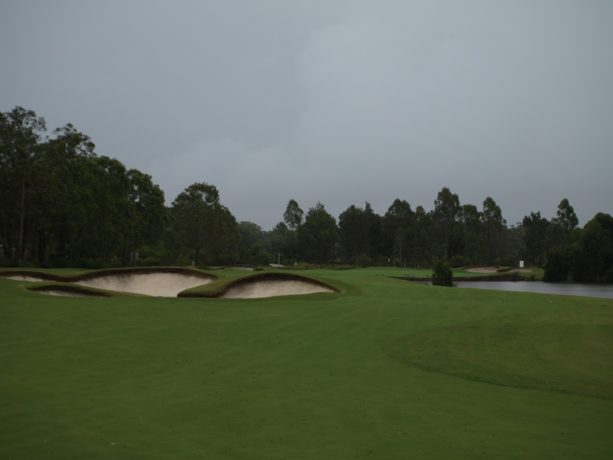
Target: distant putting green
{"x": 381, "y": 369}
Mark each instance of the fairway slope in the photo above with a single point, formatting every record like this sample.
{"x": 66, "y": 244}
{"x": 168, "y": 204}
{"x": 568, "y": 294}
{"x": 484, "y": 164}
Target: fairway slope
{"x": 559, "y": 352}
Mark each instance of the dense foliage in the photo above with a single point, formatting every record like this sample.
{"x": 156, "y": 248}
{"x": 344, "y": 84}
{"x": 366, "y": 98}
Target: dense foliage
{"x": 441, "y": 274}
{"x": 62, "y": 204}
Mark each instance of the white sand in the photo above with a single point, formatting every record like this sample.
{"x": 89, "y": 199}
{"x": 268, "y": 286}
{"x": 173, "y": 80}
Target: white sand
{"x": 482, "y": 269}
{"x": 153, "y": 284}
{"x": 273, "y": 288}
{"x": 24, "y": 278}
{"x": 62, "y": 293}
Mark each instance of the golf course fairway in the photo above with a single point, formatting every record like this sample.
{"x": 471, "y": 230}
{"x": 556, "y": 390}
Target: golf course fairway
{"x": 382, "y": 369}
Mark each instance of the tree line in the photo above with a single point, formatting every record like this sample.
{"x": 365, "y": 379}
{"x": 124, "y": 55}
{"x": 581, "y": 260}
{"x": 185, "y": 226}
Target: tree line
{"x": 61, "y": 204}
{"x": 460, "y": 234}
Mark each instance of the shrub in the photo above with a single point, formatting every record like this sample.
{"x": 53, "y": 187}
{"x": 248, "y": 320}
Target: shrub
{"x": 442, "y": 275}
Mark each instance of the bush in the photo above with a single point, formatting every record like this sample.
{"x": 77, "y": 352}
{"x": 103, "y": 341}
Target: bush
{"x": 442, "y": 275}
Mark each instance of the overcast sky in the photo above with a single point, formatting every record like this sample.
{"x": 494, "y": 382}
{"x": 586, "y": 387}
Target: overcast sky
{"x": 334, "y": 101}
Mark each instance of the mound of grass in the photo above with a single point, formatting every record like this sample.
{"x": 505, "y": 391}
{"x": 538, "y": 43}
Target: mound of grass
{"x": 569, "y": 352}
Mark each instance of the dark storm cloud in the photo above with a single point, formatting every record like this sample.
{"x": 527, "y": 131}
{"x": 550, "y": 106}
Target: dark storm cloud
{"x": 338, "y": 102}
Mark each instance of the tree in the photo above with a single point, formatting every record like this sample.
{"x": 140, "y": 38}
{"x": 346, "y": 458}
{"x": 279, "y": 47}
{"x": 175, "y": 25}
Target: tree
{"x": 493, "y": 226}
{"x": 225, "y": 239}
{"x": 112, "y": 208}
{"x": 318, "y": 236}
{"x": 251, "y": 249}
{"x": 293, "y": 219}
{"x": 558, "y": 264}
{"x": 396, "y": 231}
{"x": 61, "y": 204}
{"x": 423, "y": 241}
{"x": 561, "y": 231}
{"x": 58, "y": 194}
{"x": 535, "y": 230}
{"x": 147, "y": 211}
{"x": 513, "y": 244}
{"x": 359, "y": 231}
{"x": 446, "y": 216}
{"x": 565, "y": 216}
{"x": 205, "y": 230}
{"x": 560, "y": 238}
{"x": 472, "y": 224}
{"x": 20, "y": 134}
{"x": 594, "y": 256}
{"x": 293, "y": 215}
{"x": 281, "y": 242}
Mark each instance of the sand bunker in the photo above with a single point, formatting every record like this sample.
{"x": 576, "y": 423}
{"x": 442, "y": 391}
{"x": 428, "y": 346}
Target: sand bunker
{"x": 272, "y": 288}
{"x": 64, "y": 293}
{"x": 152, "y": 284}
{"x": 482, "y": 269}
{"x": 24, "y": 278}
{"x": 172, "y": 282}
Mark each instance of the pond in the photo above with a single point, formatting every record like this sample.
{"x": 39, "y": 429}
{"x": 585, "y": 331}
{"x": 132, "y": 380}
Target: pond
{"x": 585, "y": 290}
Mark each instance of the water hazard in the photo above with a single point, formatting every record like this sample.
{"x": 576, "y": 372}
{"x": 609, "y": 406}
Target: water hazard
{"x": 585, "y": 290}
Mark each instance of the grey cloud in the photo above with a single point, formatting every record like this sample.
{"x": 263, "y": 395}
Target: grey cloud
{"x": 338, "y": 102}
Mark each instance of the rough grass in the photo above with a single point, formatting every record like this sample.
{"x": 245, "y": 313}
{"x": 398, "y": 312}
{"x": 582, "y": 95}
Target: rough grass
{"x": 314, "y": 377}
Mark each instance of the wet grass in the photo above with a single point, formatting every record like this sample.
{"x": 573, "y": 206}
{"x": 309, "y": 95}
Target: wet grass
{"x": 385, "y": 369}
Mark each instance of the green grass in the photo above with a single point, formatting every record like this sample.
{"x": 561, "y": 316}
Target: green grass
{"x": 53, "y": 271}
{"x": 561, "y": 350}
{"x": 385, "y": 369}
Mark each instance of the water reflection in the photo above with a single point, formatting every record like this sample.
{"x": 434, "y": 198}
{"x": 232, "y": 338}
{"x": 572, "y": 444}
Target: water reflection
{"x": 585, "y": 290}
